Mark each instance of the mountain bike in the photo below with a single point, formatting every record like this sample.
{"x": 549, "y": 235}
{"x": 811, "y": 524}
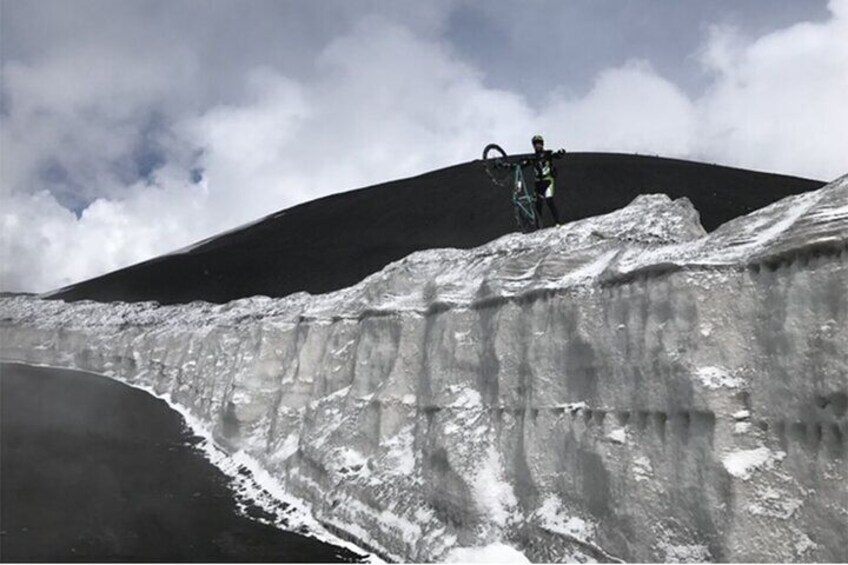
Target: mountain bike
{"x": 507, "y": 172}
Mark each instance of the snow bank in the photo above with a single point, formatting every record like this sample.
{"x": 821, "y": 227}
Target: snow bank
{"x": 494, "y": 553}
{"x": 623, "y": 387}
{"x": 742, "y": 464}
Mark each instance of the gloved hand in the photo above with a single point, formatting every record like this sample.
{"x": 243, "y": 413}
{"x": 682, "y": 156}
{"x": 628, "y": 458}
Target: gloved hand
{"x": 559, "y": 153}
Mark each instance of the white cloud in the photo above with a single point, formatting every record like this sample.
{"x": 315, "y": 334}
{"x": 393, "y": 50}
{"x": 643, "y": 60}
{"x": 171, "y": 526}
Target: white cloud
{"x": 46, "y": 246}
{"x": 368, "y": 116}
{"x": 775, "y": 103}
{"x": 630, "y": 109}
{"x": 246, "y": 150}
{"x": 778, "y": 101}
{"x": 81, "y": 113}
{"x": 383, "y": 101}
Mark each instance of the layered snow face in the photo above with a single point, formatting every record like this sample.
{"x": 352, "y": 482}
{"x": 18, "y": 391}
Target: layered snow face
{"x": 623, "y": 387}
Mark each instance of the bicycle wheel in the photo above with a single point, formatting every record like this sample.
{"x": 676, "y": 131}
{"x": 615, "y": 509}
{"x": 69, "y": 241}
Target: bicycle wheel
{"x": 497, "y": 165}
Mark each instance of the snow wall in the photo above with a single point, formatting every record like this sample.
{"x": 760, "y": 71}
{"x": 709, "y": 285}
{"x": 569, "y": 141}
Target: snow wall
{"x": 622, "y": 387}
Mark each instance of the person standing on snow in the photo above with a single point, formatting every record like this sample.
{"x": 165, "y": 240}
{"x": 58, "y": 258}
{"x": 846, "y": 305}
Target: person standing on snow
{"x": 545, "y": 177}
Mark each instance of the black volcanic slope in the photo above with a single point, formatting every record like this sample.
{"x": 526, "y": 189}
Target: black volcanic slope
{"x": 96, "y": 471}
{"x": 336, "y": 241}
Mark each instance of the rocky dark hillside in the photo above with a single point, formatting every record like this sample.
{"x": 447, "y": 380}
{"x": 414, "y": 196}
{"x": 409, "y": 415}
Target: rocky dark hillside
{"x": 336, "y": 241}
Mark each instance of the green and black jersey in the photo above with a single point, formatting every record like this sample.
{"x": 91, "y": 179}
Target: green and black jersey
{"x": 545, "y": 172}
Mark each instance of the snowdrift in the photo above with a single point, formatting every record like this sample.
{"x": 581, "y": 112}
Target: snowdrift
{"x": 621, "y": 387}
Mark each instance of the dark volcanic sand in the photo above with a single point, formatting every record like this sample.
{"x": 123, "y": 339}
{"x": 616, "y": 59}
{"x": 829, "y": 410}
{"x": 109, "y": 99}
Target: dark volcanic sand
{"x": 94, "y": 470}
{"x": 337, "y": 241}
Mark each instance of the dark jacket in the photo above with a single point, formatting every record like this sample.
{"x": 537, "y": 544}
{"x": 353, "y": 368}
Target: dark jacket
{"x": 543, "y": 166}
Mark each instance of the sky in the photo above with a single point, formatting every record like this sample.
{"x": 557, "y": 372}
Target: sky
{"x": 131, "y": 129}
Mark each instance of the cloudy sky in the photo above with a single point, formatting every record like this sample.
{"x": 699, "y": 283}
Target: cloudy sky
{"x": 132, "y": 128}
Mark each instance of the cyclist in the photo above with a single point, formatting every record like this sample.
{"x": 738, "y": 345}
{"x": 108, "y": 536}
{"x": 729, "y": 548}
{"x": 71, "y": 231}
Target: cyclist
{"x": 545, "y": 176}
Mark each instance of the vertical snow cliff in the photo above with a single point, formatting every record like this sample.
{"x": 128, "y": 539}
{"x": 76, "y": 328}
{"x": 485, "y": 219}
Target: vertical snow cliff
{"x": 623, "y": 387}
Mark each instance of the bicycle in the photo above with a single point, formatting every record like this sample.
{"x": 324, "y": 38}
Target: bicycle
{"x": 507, "y": 173}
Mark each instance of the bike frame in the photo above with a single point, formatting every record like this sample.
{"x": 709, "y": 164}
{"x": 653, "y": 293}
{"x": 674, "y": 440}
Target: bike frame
{"x": 523, "y": 201}
{"x": 523, "y": 198}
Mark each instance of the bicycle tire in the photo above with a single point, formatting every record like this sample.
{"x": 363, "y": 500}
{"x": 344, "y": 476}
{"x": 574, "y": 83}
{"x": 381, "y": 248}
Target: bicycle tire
{"x": 497, "y": 164}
